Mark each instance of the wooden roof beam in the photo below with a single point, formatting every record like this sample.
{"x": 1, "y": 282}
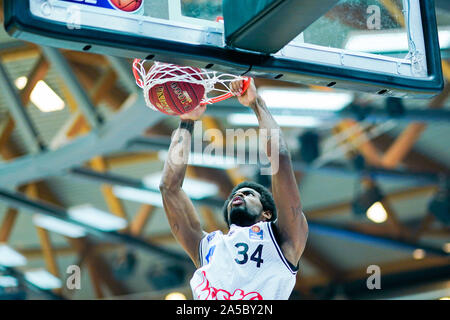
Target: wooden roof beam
{"x": 142, "y": 217}
{"x": 88, "y": 77}
{"x": 405, "y": 141}
{"x": 414, "y": 159}
{"x": 7, "y": 225}
{"x": 360, "y": 273}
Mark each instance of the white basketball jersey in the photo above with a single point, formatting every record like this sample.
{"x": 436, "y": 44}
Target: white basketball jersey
{"x": 245, "y": 264}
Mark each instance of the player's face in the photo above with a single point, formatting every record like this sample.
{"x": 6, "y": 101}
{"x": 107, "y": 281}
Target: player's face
{"x": 245, "y": 207}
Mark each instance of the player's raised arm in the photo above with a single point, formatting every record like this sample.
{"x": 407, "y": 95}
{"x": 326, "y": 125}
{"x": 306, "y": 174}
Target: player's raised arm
{"x": 291, "y": 223}
{"x": 180, "y": 211}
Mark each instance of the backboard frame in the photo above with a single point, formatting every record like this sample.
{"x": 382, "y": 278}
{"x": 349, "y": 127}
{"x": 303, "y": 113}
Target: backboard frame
{"x": 22, "y": 24}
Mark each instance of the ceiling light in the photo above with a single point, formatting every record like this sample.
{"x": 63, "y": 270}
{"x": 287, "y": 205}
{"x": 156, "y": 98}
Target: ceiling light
{"x": 426, "y": 294}
{"x": 418, "y": 254}
{"x": 446, "y": 247}
{"x": 282, "y": 121}
{"x": 21, "y": 82}
{"x": 8, "y": 282}
{"x": 205, "y": 160}
{"x": 45, "y": 98}
{"x": 43, "y": 279}
{"x": 211, "y": 161}
{"x": 58, "y": 226}
{"x": 11, "y": 258}
{"x": 195, "y": 189}
{"x": 42, "y": 95}
{"x": 377, "y": 213}
{"x": 96, "y": 218}
{"x": 305, "y": 99}
{"x": 444, "y": 298}
{"x": 137, "y": 195}
{"x": 366, "y": 199}
{"x": 388, "y": 41}
{"x": 444, "y": 38}
{"x": 175, "y": 296}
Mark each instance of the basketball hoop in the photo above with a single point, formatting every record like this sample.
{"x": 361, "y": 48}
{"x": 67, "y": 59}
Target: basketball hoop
{"x": 212, "y": 81}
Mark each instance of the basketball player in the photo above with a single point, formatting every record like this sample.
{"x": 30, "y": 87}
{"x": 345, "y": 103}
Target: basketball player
{"x": 258, "y": 257}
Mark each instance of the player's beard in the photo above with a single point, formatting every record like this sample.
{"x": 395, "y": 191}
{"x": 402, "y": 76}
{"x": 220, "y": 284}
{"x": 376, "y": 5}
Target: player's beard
{"x": 241, "y": 216}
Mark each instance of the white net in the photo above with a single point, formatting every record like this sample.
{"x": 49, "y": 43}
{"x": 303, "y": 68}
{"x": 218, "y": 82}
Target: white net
{"x": 217, "y": 85}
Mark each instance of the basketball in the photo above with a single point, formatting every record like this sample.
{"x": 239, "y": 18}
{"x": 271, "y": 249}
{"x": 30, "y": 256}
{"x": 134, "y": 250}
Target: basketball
{"x": 176, "y": 97}
{"x": 127, "y": 5}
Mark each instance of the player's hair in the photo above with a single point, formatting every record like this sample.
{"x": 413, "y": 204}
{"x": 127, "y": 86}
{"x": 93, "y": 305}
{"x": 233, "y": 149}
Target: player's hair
{"x": 266, "y": 199}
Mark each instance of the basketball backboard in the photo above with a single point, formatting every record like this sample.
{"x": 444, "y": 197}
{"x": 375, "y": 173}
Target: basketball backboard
{"x": 385, "y": 47}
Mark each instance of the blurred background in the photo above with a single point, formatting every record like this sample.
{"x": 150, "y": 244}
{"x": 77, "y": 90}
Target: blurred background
{"x": 373, "y": 175}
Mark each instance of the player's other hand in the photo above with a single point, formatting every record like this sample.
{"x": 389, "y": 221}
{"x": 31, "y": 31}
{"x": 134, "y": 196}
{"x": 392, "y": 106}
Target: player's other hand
{"x": 248, "y": 97}
{"x": 194, "y": 114}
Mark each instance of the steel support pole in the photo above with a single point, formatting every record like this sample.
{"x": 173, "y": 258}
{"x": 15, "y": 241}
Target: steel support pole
{"x": 115, "y": 179}
{"x": 30, "y": 285}
{"x": 314, "y": 227}
{"x": 19, "y": 114}
{"x": 377, "y": 241}
{"x": 367, "y": 113}
{"x": 113, "y": 136}
{"x": 18, "y": 200}
{"x": 417, "y": 177}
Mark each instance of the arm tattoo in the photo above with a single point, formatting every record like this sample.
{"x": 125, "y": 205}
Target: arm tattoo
{"x": 296, "y": 212}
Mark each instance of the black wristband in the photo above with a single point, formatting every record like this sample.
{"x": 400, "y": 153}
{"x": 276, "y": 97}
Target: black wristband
{"x": 187, "y": 124}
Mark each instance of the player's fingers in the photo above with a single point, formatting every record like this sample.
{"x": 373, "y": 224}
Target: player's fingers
{"x": 233, "y": 87}
{"x": 201, "y": 109}
{"x": 194, "y": 114}
{"x": 236, "y": 87}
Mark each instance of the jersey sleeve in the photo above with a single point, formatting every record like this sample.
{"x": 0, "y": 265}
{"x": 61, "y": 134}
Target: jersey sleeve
{"x": 274, "y": 234}
{"x": 203, "y": 248}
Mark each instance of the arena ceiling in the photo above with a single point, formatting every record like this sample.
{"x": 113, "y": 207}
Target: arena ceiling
{"x": 75, "y": 164}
